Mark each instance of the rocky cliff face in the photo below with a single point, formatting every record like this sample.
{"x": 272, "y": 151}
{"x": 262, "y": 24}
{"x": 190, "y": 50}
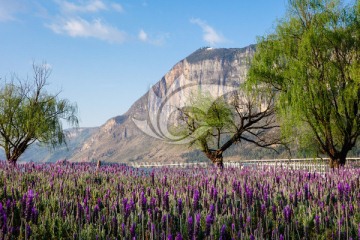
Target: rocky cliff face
{"x": 120, "y": 140}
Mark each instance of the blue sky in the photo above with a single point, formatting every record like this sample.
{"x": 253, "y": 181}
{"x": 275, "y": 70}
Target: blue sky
{"x": 105, "y": 54}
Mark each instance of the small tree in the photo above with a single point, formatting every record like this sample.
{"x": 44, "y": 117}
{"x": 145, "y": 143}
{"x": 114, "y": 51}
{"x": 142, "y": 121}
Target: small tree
{"x": 214, "y": 125}
{"x": 28, "y": 114}
{"x": 313, "y": 61}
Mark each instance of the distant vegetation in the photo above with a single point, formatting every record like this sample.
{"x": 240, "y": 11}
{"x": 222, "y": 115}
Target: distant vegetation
{"x": 203, "y": 53}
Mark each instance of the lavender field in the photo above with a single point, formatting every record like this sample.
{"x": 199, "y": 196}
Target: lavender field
{"x": 77, "y": 201}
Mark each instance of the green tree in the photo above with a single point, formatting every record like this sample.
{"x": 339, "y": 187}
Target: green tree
{"x": 214, "y": 125}
{"x": 28, "y": 113}
{"x": 312, "y": 61}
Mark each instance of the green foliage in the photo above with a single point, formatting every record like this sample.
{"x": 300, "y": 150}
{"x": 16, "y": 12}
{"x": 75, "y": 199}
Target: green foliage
{"x": 28, "y": 114}
{"x": 312, "y": 61}
{"x": 208, "y": 117}
{"x": 214, "y": 125}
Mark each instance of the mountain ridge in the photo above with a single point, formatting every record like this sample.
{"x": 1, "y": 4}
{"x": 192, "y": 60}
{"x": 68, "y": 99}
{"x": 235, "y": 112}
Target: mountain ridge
{"x": 119, "y": 140}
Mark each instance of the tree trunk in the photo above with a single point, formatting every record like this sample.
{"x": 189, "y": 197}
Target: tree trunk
{"x": 13, "y": 156}
{"x": 337, "y": 162}
{"x": 12, "y": 161}
{"x": 216, "y": 157}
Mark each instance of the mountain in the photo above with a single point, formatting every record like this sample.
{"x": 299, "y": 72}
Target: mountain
{"x": 139, "y": 134}
{"x": 40, "y": 153}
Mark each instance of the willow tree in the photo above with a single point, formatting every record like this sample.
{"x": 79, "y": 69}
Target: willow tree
{"x": 28, "y": 113}
{"x": 312, "y": 60}
{"x": 214, "y": 125}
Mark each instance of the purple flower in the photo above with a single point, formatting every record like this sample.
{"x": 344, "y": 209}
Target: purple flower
{"x": 208, "y": 221}
{"x": 317, "y": 223}
{"x": 166, "y": 201}
{"x": 180, "y": 206}
{"x": 351, "y": 209}
{"x": 34, "y": 215}
{"x": 163, "y": 219}
{"x": 133, "y": 230}
{"x": 28, "y": 231}
{"x": 306, "y": 191}
{"x": 263, "y": 209}
{"x": 197, "y": 224}
{"x": 249, "y": 196}
{"x": 28, "y": 204}
{"x": 274, "y": 211}
{"x": 164, "y": 181}
{"x": 88, "y": 194}
{"x": 196, "y": 199}
{"x": 347, "y": 191}
{"x": 212, "y": 210}
{"x": 124, "y": 202}
{"x": 190, "y": 227}
{"x": 342, "y": 220}
{"x": 281, "y": 237}
{"x": 80, "y": 211}
{"x": 114, "y": 226}
{"x": 152, "y": 178}
{"x": 96, "y": 212}
{"x": 287, "y": 213}
{"x": 340, "y": 188}
{"x": 277, "y": 179}
{"x": 213, "y": 193}
{"x": 99, "y": 201}
{"x": 123, "y": 230}
{"x": 8, "y": 206}
{"x": 3, "y": 220}
{"x": 248, "y": 220}
{"x": 152, "y": 202}
{"x": 178, "y": 236}
{"x": 87, "y": 213}
{"x": 143, "y": 201}
{"x": 223, "y": 233}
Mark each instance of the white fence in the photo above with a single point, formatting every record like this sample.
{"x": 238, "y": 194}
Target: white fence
{"x": 310, "y": 164}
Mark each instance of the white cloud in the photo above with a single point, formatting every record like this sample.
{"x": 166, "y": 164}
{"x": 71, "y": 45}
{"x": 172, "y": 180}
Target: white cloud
{"x": 48, "y": 66}
{"x": 157, "y": 40}
{"x": 160, "y": 39}
{"x": 90, "y": 6}
{"x": 117, "y": 7}
{"x": 9, "y": 9}
{"x": 143, "y": 36}
{"x": 209, "y": 34}
{"x": 78, "y": 27}
{"x": 5, "y": 15}
{"x": 74, "y": 19}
